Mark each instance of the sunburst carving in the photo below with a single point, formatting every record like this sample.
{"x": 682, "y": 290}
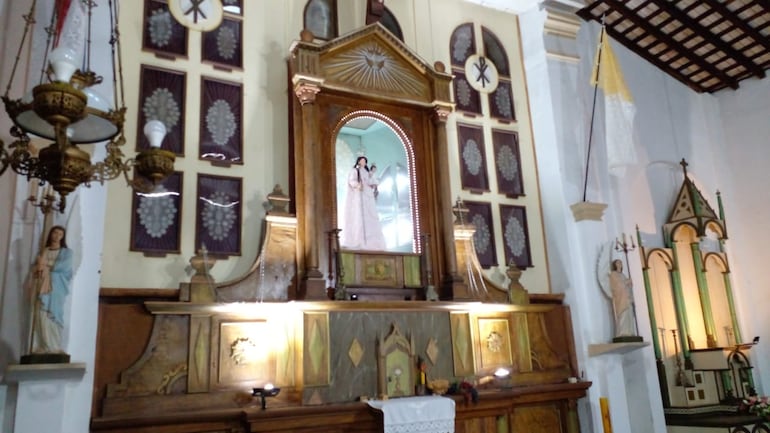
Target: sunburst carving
{"x": 372, "y": 66}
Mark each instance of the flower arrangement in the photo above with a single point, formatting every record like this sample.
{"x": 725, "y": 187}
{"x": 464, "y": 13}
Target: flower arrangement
{"x": 466, "y": 389}
{"x": 758, "y": 405}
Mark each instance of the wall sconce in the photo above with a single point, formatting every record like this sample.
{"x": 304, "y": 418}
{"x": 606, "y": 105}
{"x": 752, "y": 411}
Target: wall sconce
{"x": 267, "y": 391}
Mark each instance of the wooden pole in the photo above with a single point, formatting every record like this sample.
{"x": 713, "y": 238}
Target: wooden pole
{"x": 604, "y": 404}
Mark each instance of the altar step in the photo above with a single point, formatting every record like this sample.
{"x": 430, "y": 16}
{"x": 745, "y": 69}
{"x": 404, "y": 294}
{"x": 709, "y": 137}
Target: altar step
{"x": 716, "y": 422}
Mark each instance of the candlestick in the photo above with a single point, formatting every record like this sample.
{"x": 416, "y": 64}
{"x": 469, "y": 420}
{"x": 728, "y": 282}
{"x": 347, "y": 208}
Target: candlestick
{"x": 47, "y": 200}
{"x": 33, "y": 186}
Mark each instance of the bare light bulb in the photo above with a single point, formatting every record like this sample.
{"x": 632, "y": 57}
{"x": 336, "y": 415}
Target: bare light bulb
{"x": 502, "y": 372}
{"x": 155, "y": 130}
{"x": 64, "y": 62}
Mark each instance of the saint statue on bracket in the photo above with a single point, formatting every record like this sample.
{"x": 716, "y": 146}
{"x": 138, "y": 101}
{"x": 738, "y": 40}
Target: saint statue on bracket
{"x": 617, "y": 286}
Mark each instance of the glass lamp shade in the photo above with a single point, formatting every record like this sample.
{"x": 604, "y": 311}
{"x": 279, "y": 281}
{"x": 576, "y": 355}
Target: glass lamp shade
{"x": 64, "y": 61}
{"x": 155, "y": 164}
{"x": 30, "y": 121}
{"x": 155, "y": 130}
{"x": 100, "y": 122}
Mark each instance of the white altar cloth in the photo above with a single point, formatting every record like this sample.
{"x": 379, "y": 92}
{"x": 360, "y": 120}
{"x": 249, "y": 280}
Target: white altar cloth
{"x": 428, "y": 414}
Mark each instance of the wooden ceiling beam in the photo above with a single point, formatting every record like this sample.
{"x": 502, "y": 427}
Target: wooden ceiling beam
{"x": 620, "y": 7}
{"x": 655, "y": 61}
{"x": 764, "y": 5}
{"x": 714, "y": 44}
{"x": 707, "y": 35}
{"x": 589, "y": 14}
{"x": 736, "y": 21}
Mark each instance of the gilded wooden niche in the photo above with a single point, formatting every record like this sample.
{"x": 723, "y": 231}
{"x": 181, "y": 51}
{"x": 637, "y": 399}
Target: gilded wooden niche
{"x": 396, "y": 364}
{"x": 367, "y": 94}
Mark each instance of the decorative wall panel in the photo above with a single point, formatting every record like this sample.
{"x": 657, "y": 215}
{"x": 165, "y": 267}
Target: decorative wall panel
{"x": 508, "y": 163}
{"x": 515, "y": 235}
{"x": 220, "y": 122}
{"x": 156, "y": 218}
{"x": 473, "y": 161}
{"x": 480, "y": 215}
{"x": 218, "y": 214}
{"x": 321, "y": 18}
{"x": 223, "y": 46}
{"x": 162, "y": 97}
{"x": 494, "y": 343}
{"x": 244, "y": 354}
{"x": 162, "y": 33}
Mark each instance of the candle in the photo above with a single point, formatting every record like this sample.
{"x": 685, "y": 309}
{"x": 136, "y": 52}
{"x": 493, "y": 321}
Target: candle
{"x": 33, "y": 190}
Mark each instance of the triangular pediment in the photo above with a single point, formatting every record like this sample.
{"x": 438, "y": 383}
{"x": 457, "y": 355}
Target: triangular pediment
{"x": 690, "y": 203}
{"x": 371, "y": 61}
{"x": 692, "y": 209}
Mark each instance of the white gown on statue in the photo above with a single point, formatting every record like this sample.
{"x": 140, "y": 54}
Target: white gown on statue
{"x": 361, "y": 229}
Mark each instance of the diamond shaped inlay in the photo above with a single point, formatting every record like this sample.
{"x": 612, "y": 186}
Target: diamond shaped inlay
{"x": 432, "y": 350}
{"x": 461, "y": 343}
{"x": 356, "y": 352}
{"x": 317, "y": 347}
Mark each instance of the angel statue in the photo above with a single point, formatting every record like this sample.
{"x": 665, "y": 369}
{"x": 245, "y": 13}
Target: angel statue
{"x": 618, "y": 287}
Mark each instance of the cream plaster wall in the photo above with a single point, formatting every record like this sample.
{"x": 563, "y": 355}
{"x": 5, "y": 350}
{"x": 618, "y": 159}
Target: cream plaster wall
{"x": 267, "y": 38}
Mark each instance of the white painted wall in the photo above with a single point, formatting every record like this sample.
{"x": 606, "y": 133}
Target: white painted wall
{"x": 723, "y": 138}
{"x": 745, "y": 155}
{"x": 17, "y": 220}
{"x": 66, "y": 404}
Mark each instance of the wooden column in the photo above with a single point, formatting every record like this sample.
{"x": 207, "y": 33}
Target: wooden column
{"x": 306, "y": 173}
{"x": 703, "y": 293}
{"x": 573, "y": 423}
{"x": 683, "y": 323}
{"x": 451, "y": 279}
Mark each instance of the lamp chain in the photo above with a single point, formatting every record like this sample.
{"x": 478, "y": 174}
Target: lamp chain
{"x": 29, "y": 20}
{"x": 63, "y": 100}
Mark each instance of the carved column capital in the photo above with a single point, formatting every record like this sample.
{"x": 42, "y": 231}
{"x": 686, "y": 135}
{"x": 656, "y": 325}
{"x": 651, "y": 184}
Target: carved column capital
{"x": 306, "y": 92}
{"x": 440, "y": 114}
{"x": 572, "y": 404}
